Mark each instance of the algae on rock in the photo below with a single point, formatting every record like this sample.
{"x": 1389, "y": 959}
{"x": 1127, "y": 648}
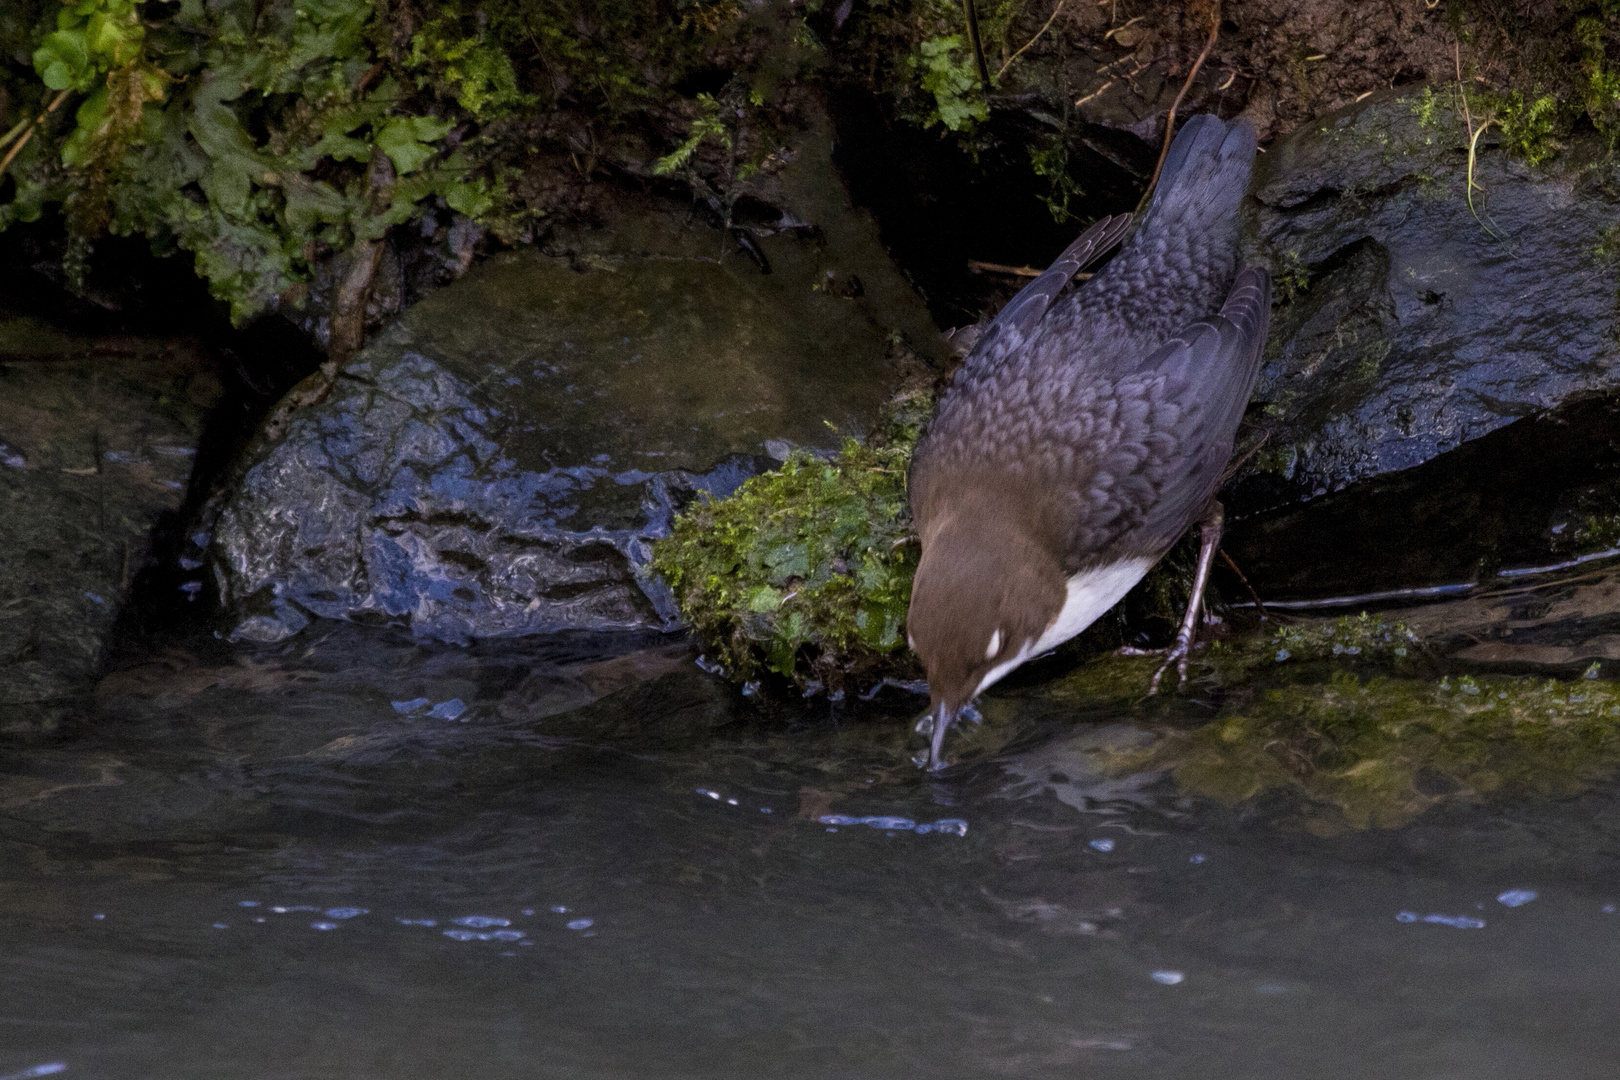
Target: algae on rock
{"x": 1339, "y": 713}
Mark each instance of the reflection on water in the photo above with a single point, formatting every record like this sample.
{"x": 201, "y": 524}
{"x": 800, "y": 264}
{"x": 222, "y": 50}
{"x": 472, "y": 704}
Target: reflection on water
{"x": 298, "y": 864}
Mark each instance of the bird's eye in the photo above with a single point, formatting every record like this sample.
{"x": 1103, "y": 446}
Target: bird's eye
{"x": 995, "y": 645}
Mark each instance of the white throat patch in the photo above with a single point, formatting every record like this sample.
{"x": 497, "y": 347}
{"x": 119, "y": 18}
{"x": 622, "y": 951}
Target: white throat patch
{"x": 1090, "y": 594}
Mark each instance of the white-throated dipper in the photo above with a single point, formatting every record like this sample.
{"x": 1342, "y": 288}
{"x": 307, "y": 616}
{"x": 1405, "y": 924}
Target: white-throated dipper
{"x": 1087, "y": 430}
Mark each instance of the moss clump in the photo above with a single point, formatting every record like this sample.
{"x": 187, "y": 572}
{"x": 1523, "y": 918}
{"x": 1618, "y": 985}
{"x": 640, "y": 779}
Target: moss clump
{"x": 805, "y": 572}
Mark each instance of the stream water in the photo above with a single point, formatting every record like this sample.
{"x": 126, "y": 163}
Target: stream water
{"x": 354, "y": 856}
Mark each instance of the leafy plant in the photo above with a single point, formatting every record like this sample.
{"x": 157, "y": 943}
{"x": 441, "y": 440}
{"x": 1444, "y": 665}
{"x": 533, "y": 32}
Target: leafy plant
{"x": 1050, "y": 160}
{"x": 473, "y": 67}
{"x": 944, "y": 66}
{"x": 707, "y": 125}
{"x": 1529, "y": 126}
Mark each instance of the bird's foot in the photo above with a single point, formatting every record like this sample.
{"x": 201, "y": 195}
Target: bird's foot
{"x": 925, "y": 722}
{"x": 1176, "y": 654}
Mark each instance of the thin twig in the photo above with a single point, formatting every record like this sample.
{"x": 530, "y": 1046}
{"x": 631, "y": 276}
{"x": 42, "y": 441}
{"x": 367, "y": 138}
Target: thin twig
{"x": 1095, "y": 93}
{"x": 978, "y": 46}
{"x": 1032, "y": 40}
{"x": 29, "y": 134}
{"x": 1258, "y": 606}
{"x": 978, "y": 267}
{"x": 17, "y": 129}
{"x": 1170, "y": 118}
{"x": 1473, "y": 144}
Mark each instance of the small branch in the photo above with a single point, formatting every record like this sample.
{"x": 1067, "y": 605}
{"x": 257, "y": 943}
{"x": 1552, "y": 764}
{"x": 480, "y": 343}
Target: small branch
{"x": 978, "y": 47}
{"x": 978, "y": 267}
{"x": 29, "y": 132}
{"x": 1170, "y": 117}
{"x": 1095, "y": 93}
{"x": 1032, "y": 40}
{"x": 1473, "y": 143}
{"x": 1258, "y": 606}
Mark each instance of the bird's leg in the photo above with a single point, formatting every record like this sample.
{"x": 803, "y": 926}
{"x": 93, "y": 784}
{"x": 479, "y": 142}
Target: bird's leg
{"x": 1209, "y": 539}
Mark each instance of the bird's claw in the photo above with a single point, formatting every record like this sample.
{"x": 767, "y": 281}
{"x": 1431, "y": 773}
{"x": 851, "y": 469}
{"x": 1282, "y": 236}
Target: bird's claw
{"x": 1176, "y": 654}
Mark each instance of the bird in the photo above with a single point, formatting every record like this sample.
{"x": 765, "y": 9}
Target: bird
{"x": 1087, "y": 431}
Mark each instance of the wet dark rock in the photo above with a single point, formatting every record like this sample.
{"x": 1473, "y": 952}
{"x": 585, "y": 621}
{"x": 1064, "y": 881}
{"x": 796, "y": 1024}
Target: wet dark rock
{"x": 97, "y": 449}
{"x": 1408, "y": 328}
{"x": 498, "y": 461}
{"x": 1541, "y": 491}
{"x": 1415, "y": 326}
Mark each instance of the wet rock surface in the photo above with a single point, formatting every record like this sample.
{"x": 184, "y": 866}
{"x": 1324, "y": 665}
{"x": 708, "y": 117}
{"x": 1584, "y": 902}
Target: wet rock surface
{"x": 498, "y": 461}
{"x": 1415, "y": 325}
{"x": 1408, "y": 328}
{"x": 94, "y": 448}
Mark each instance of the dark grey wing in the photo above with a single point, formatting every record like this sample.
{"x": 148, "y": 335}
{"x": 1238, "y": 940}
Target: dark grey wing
{"x": 1168, "y": 426}
{"x": 1014, "y": 322}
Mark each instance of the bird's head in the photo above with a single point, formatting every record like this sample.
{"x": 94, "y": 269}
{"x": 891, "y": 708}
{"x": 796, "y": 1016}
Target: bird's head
{"x": 984, "y": 593}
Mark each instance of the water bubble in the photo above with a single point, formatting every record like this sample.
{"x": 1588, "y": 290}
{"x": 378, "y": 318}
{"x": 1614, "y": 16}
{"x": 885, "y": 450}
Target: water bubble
{"x": 466, "y": 935}
{"x": 345, "y": 912}
{"x": 221, "y": 926}
{"x": 1195, "y": 859}
{"x": 48, "y": 1069}
{"x": 508, "y": 935}
{"x": 710, "y": 794}
{"x": 905, "y": 824}
{"x": 1104, "y": 844}
{"x": 731, "y": 802}
{"x": 581, "y": 924}
{"x": 260, "y": 919}
{"x": 323, "y": 926}
{"x": 764, "y": 809}
{"x": 528, "y": 911}
{"x": 448, "y": 710}
{"x": 1516, "y": 897}
{"x": 1461, "y": 922}
{"x": 951, "y": 825}
{"x": 247, "y": 903}
{"x": 417, "y": 922}
{"x": 98, "y": 916}
{"x": 481, "y": 921}
{"x": 558, "y": 909}
{"x": 1608, "y": 909}
{"x": 405, "y": 708}
{"x": 1168, "y": 978}
{"x": 94, "y": 598}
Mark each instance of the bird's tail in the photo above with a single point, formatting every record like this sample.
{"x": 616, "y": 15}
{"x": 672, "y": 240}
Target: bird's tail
{"x": 1204, "y": 175}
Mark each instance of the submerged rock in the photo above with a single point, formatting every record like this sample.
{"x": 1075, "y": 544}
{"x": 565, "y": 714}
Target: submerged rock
{"x": 499, "y": 460}
{"x": 95, "y": 449}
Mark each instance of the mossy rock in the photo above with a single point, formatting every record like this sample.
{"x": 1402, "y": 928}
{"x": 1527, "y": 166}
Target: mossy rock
{"x": 805, "y": 572}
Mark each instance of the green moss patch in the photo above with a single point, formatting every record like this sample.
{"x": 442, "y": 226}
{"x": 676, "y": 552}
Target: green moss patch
{"x": 805, "y": 572}
{"x": 1339, "y": 713}
{"x": 1382, "y": 750}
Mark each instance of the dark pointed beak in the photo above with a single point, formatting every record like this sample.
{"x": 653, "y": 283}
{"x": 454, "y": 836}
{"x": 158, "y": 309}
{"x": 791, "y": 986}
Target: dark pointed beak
{"x": 944, "y": 717}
